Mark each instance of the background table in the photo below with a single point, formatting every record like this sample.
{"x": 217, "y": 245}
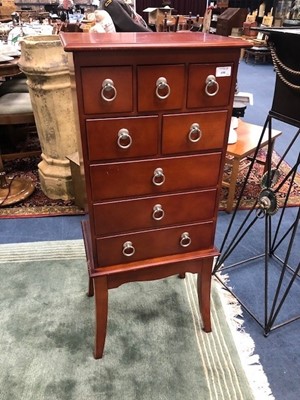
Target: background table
{"x": 248, "y": 138}
{"x": 9, "y": 68}
{"x": 259, "y": 54}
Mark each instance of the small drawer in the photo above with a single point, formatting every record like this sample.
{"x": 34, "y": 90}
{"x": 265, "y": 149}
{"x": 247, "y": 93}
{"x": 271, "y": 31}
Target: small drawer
{"x": 107, "y": 89}
{"x": 193, "y": 132}
{"x": 112, "y": 138}
{"x": 209, "y": 85}
{"x": 155, "y": 176}
{"x": 155, "y": 243}
{"x": 153, "y": 212}
{"x": 160, "y": 87}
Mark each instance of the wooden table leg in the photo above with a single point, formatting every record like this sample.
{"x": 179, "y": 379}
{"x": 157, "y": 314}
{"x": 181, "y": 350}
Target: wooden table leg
{"x": 101, "y": 310}
{"x": 204, "y": 288}
{"x": 269, "y": 154}
{"x": 1, "y": 163}
{"x": 232, "y": 186}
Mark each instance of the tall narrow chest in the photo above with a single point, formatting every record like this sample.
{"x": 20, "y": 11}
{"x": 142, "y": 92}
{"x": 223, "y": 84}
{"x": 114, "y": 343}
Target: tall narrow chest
{"x": 154, "y": 112}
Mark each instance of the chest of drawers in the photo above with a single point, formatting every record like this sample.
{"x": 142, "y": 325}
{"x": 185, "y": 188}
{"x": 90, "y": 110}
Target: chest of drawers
{"x": 154, "y": 112}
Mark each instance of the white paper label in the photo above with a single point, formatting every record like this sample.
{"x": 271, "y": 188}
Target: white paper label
{"x": 223, "y": 71}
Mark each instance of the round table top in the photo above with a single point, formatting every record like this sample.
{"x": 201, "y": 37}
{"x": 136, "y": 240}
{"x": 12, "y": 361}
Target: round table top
{"x": 9, "y": 68}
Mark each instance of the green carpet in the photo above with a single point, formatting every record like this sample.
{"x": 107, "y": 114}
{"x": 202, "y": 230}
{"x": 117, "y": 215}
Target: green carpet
{"x": 154, "y": 349}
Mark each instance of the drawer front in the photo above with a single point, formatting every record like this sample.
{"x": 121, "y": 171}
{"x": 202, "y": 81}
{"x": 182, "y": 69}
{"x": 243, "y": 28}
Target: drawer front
{"x": 162, "y": 175}
{"x": 154, "y": 243}
{"x": 153, "y": 212}
{"x": 122, "y": 137}
{"x": 155, "y": 94}
{"x": 107, "y": 89}
{"x": 193, "y": 132}
{"x": 197, "y": 86}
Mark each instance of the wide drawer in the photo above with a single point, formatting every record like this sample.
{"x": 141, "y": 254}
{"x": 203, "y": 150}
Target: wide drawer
{"x": 160, "y": 87}
{"x": 155, "y": 243}
{"x": 193, "y": 132}
{"x": 161, "y": 175}
{"x": 122, "y": 137}
{"x": 203, "y": 92}
{"x": 107, "y": 89}
{"x": 153, "y": 212}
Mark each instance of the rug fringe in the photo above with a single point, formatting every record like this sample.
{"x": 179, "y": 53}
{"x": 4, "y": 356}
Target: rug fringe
{"x": 244, "y": 343}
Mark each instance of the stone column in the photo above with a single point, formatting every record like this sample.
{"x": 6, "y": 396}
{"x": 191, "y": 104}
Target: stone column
{"x": 45, "y": 65}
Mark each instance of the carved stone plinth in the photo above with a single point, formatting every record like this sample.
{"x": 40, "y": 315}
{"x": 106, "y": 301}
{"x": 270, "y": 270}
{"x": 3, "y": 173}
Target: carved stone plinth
{"x": 46, "y": 67}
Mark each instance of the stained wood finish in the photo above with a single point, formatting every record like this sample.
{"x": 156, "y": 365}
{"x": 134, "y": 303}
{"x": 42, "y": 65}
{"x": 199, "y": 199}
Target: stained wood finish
{"x": 147, "y": 77}
{"x": 141, "y": 42}
{"x": 92, "y": 84}
{"x": 178, "y": 138}
{"x": 154, "y": 243}
{"x": 198, "y": 74}
{"x": 136, "y": 178}
{"x": 104, "y": 142}
{"x": 143, "y": 213}
{"x": 122, "y": 184}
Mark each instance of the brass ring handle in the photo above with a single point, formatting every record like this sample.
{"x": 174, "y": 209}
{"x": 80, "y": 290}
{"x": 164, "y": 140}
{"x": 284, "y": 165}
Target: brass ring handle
{"x": 128, "y": 249}
{"x": 185, "y": 240}
{"x": 124, "y": 139}
{"x": 158, "y": 177}
{"x": 158, "y": 212}
{"x": 162, "y": 84}
{"x": 195, "y": 133}
{"x": 108, "y": 86}
{"x": 211, "y": 82}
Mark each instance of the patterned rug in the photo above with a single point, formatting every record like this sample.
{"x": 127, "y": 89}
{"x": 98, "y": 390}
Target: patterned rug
{"x": 39, "y": 205}
{"x": 253, "y": 187}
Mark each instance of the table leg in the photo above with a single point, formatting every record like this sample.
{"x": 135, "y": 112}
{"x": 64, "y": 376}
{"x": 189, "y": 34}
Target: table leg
{"x": 246, "y": 56}
{"x": 101, "y": 309}
{"x": 1, "y": 163}
{"x": 204, "y": 288}
{"x": 269, "y": 154}
{"x": 232, "y": 186}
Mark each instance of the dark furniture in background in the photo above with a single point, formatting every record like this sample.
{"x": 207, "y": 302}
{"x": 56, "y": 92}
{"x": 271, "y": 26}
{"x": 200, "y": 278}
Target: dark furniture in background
{"x": 230, "y": 18}
{"x": 198, "y": 6}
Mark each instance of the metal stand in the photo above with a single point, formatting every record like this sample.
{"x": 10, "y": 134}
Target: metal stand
{"x": 276, "y": 236}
